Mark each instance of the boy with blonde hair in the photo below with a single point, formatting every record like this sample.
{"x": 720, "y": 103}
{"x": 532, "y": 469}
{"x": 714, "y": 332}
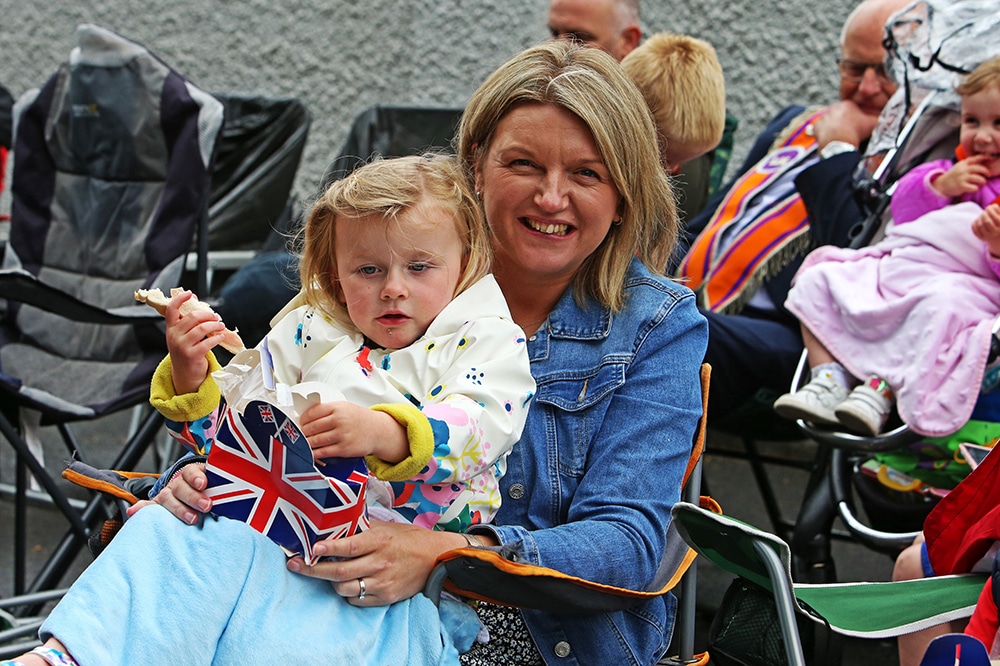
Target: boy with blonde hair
{"x": 681, "y": 79}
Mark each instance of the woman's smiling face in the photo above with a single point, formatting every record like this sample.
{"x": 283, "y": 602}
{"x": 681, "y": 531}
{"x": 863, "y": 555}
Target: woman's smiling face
{"x": 548, "y": 195}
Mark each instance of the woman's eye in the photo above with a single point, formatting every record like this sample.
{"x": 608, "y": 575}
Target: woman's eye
{"x": 589, "y": 173}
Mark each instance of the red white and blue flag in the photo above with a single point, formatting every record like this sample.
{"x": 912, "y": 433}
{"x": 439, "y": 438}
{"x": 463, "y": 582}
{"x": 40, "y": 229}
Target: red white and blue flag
{"x": 261, "y": 471}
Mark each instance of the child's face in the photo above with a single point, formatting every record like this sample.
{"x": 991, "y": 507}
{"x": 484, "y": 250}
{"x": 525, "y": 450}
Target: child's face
{"x": 396, "y": 277}
{"x": 980, "y": 132}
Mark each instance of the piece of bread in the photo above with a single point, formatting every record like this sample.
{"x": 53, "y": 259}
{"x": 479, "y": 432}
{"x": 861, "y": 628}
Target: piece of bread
{"x": 154, "y": 298}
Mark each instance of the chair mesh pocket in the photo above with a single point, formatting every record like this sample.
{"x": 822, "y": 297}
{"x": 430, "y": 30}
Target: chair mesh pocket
{"x": 746, "y": 630}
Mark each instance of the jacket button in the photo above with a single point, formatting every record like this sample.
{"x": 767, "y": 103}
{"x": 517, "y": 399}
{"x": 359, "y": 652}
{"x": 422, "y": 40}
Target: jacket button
{"x": 562, "y": 649}
{"x": 516, "y": 491}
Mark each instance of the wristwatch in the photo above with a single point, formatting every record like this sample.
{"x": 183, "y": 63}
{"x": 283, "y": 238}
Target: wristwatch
{"x": 836, "y": 148}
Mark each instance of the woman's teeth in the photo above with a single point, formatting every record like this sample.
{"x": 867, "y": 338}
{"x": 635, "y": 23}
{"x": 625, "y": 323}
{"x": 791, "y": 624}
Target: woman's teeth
{"x": 555, "y": 229}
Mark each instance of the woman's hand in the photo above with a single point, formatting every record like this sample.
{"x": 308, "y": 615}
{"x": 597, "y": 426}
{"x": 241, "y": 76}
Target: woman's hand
{"x": 183, "y": 495}
{"x": 394, "y": 559}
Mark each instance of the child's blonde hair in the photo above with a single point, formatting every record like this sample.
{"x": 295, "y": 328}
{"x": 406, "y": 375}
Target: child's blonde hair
{"x": 985, "y": 75}
{"x": 681, "y": 79}
{"x": 387, "y": 188}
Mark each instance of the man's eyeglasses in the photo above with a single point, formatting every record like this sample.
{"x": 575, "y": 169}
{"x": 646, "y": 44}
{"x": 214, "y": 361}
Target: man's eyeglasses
{"x": 854, "y": 71}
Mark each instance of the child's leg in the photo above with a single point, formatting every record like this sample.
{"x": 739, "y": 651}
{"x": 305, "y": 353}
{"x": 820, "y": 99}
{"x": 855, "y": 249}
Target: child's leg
{"x": 218, "y": 592}
{"x": 913, "y": 564}
{"x": 828, "y": 386}
{"x": 818, "y": 354}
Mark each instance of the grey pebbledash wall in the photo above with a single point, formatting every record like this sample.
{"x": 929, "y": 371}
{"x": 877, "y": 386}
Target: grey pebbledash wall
{"x": 340, "y": 56}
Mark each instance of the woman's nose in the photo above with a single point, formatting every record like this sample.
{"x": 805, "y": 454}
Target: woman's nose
{"x": 551, "y": 194}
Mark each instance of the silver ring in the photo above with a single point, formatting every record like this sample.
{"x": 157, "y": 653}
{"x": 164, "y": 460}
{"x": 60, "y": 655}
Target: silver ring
{"x": 363, "y": 592}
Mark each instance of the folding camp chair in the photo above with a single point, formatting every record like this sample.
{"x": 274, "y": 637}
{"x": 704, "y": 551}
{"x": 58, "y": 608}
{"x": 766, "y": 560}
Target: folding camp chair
{"x": 111, "y": 181}
{"x": 487, "y": 574}
{"x": 865, "y": 610}
{"x": 393, "y": 131}
{"x": 251, "y": 208}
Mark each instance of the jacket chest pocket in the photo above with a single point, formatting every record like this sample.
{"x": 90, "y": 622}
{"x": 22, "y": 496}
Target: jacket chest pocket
{"x": 573, "y": 391}
{"x": 575, "y": 404}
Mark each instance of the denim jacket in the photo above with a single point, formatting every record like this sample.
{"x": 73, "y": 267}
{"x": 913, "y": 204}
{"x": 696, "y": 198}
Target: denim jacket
{"x": 589, "y": 487}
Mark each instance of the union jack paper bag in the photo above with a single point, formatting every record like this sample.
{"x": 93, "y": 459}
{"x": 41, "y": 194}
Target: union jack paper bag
{"x": 261, "y": 471}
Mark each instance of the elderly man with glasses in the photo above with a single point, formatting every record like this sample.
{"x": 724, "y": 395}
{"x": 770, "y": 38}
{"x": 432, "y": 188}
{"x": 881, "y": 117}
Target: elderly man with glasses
{"x": 793, "y": 192}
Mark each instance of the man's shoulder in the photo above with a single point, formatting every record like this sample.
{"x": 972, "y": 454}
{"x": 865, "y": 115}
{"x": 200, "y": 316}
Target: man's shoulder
{"x": 786, "y": 115}
{"x": 782, "y": 121}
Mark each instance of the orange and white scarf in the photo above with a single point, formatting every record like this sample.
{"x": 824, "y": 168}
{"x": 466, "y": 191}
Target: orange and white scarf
{"x": 725, "y": 262}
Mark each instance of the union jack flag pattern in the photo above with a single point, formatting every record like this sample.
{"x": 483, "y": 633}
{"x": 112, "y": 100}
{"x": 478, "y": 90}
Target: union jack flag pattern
{"x": 261, "y": 471}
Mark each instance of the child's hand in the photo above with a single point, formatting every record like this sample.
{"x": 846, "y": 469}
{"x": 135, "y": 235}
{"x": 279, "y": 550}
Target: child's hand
{"x": 987, "y": 228}
{"x": 965, "y": 177}
{"x": 346, "y": 430}
{"x": 189, "y": 338}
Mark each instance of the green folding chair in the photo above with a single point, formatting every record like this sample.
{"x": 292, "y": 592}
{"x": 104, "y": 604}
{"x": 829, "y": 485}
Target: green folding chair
{"x": 864, "y": 610}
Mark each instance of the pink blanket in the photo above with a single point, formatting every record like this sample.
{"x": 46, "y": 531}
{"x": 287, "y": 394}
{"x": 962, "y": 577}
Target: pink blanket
{"x": 915, "y": 309}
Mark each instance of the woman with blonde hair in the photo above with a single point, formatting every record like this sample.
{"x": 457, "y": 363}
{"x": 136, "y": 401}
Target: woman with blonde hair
{"x": 561, "y": 150}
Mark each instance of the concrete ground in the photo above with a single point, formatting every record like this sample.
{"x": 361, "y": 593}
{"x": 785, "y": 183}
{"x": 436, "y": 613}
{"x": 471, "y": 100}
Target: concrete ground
{"x": 729, "y": 481}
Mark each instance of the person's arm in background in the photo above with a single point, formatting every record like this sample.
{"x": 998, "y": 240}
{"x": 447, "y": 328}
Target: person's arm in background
{"x": 827, "y": 187}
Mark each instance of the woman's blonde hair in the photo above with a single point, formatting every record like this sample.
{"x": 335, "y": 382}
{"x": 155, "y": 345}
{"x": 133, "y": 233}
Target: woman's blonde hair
{"x": 388, "y": 188}
{"x": 592, "y": 85}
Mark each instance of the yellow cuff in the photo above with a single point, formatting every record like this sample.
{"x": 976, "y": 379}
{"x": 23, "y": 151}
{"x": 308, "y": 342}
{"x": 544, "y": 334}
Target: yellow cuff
{"x": 187, "y": 407}
{"x": 420, "y": 436}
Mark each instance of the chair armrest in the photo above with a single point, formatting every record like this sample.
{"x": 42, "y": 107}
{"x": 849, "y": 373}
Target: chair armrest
{"x": 487, "y": 575}
{"x": 23, "y": 287}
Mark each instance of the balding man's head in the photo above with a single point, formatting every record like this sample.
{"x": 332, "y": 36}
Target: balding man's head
{"x": 862, "y": 76}
{"x": 612, "y": 25}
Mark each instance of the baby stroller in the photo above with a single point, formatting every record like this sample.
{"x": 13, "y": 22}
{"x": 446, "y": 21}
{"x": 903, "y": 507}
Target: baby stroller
{"x": 931, "y": 44}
